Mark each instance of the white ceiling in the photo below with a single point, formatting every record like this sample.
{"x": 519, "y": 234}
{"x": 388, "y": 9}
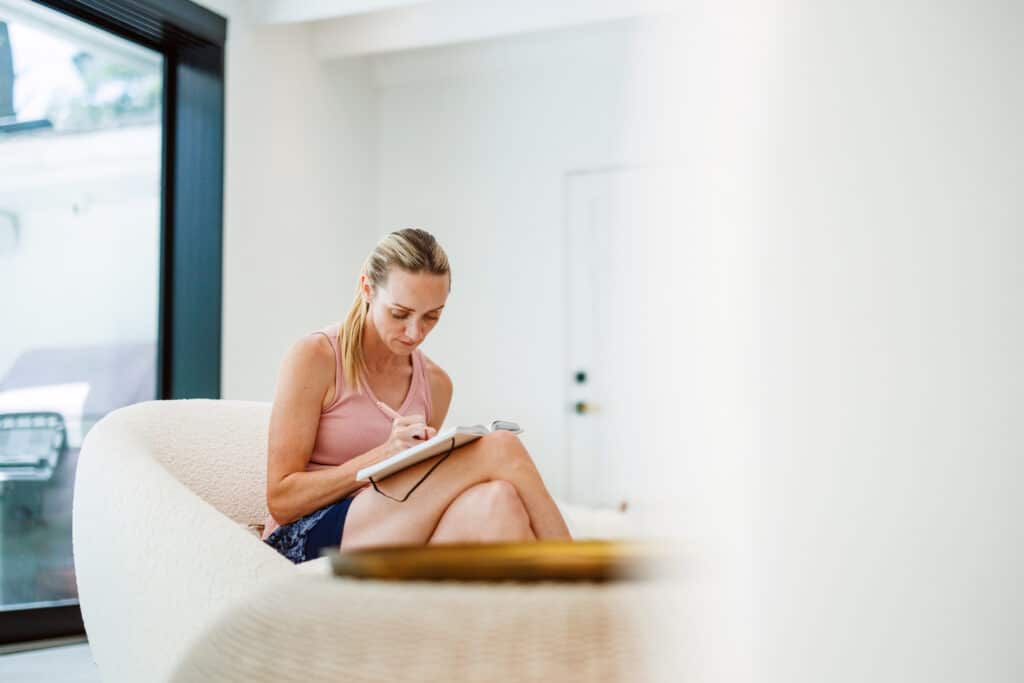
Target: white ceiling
{"x": 348, "y": 28}
{"x": 448, "y": 22}
{"x": 291, "y": 11}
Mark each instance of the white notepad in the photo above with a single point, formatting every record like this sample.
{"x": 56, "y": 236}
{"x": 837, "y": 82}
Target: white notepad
{"x": 441, "y": 442}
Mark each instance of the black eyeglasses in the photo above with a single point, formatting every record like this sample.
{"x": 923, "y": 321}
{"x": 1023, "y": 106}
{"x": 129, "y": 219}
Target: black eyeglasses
{"x": 434, "y": 467}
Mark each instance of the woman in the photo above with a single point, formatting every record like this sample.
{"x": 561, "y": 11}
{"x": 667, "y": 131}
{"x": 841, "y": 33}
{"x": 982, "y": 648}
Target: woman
{"x": 353, "y": 394}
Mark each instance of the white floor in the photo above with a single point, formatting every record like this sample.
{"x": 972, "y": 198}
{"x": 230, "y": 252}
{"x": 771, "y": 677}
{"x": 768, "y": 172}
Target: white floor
{"x": 64, "y": 664}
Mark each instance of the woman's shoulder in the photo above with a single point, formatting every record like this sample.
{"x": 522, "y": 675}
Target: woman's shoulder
{"x": 311, "y": 360}
{"x": 438, "y": 378}
{"x": 312, "y": 351}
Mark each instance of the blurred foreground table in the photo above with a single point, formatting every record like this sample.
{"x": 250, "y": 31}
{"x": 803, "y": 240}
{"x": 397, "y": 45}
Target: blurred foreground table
{"x": 542, "y": 611}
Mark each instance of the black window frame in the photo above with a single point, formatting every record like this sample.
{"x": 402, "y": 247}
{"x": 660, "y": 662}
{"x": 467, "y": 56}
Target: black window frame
{"x": 191, "y": 39}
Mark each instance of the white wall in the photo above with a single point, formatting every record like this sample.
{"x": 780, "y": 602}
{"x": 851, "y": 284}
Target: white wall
{"x": 849, "y": 290}
{"x": 887, "y": 513}
{"x": 473, "y": 144}
{"x": 298, "y": 179}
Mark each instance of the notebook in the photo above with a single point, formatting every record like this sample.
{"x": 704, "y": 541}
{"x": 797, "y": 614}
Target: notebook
{"x": 439, "y": 444}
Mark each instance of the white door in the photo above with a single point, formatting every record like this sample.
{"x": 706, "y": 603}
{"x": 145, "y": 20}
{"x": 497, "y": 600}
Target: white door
{"x": 609, "y": 226}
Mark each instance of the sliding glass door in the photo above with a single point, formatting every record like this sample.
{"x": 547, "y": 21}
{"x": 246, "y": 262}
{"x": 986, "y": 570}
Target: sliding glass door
{"x": 80, "y": 193}
{"x": 110, "y": 219}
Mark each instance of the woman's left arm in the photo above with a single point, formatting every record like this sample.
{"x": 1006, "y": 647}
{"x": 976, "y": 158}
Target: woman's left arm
{"x": 440, "y": 394}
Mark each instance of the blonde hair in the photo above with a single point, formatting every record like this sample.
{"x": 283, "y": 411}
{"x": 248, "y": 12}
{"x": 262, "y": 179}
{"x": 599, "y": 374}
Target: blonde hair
{"x": 411, "y": 249}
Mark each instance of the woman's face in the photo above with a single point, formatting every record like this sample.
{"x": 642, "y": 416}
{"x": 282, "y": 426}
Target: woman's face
{"x": 406, "y": 308}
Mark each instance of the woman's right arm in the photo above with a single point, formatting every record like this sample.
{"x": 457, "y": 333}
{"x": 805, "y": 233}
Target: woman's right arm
{"x": 307, "y": 374}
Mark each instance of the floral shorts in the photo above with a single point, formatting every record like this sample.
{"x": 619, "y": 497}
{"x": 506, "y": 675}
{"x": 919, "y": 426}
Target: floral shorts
{"x": 304, "y": 538}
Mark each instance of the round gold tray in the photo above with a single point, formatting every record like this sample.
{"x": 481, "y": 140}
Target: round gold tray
{"x": 531, "y": 561}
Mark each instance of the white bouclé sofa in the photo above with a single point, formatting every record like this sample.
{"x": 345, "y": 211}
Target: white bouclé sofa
{"x": 174, "y": 586}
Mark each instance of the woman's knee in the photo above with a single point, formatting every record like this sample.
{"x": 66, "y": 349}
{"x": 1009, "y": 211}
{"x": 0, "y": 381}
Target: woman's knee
{"x": 494, "y": 512}
{"x": 503, "y": 449}
{"x": 499, "y": 502}
{"x": 487, "y": 512}
{"x": 496, "y": 499}
{"x": 505, "y": 438}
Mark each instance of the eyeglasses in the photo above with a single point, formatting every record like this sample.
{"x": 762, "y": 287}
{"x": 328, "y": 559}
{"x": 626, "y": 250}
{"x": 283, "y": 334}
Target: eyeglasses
{"x": 432, "y": 468}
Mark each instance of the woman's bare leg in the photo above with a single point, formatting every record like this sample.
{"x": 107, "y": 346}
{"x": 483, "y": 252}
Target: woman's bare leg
{"x": 491, "y": 512}
{"x": 374, "y": 519}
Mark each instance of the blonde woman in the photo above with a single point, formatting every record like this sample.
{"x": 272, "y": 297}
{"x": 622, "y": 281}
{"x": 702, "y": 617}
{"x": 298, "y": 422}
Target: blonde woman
{"x": 355, "y": 393}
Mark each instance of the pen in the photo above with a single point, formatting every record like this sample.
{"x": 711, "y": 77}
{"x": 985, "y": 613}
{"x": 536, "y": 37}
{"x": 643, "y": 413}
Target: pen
{"x": 387, "y": 409}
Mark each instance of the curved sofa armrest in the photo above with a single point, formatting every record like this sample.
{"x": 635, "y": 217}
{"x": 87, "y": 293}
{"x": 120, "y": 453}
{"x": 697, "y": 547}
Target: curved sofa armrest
{"x": 154, "y": 562}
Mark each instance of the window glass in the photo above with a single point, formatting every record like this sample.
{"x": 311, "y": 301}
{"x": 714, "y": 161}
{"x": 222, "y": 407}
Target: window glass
{"x": 80, "y": 192}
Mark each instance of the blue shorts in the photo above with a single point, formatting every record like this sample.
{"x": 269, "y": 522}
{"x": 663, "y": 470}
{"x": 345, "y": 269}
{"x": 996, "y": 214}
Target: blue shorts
{"x": 304, "y": 538}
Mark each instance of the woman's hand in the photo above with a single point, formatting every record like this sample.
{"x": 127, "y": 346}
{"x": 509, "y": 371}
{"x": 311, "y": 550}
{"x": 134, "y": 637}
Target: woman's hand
{"x": 406, "y": 431}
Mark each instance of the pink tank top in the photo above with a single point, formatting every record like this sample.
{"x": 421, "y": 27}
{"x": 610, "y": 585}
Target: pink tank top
{"x": 353, "y": 423}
